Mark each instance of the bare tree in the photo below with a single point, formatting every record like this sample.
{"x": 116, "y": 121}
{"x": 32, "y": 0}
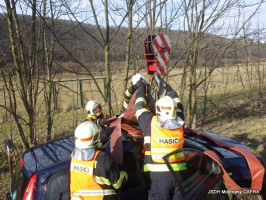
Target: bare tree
{"x": 27, "y": 83}
{"x": 48, "y": 51}
{"x": 250, "y": 72}
{"x": 260, "y": 69}
{"x": 154, "y": 12}
{"x": 130, "y": 4}
{"x": 131, "y": 37}
{"x": 29, "y": 64}
{"x": 102, "y": 34}
{"x": 200, "y": 18}
{"x": 106, "y": 43}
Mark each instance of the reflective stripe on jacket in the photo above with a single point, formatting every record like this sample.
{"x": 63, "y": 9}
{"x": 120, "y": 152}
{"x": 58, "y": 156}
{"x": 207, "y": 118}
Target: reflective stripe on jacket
{"x": 90, "y": 118}
{"x": 164, "y": 168}
{"x": 127, "y": 96}
{"x": 93, "y": 118}
{"x": 84, "y": 184}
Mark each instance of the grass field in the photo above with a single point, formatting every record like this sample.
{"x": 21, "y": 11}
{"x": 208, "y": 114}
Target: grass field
{"x": 230, "y": 112}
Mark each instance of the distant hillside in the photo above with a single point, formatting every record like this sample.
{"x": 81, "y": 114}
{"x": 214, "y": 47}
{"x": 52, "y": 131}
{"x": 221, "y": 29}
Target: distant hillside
{"x": 77, "y": 41}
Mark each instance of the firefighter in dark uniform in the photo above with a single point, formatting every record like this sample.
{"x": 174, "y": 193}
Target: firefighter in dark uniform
{"x": 95, "y": 115}
{"x": 163, "y": 133}
{"x": 93, "y": 174}
{"x": 131, "y": 90}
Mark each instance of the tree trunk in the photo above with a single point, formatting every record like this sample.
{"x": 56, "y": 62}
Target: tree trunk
{"x": 128, "y": 46}
{"x": 24, "y": 77}
{"x": 108, "y": 78}
{"x": 192, "y": 100}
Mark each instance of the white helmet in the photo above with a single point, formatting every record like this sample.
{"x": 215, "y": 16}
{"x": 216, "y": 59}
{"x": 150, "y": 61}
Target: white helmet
{"x": 91, "y": 105}
{"x": 166, "y": 108}
{"x": 136, "y": 78}
{"x": 87, "y": 135}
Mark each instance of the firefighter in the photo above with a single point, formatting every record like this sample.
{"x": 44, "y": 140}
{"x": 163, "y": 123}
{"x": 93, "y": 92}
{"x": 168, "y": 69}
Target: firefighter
{"x": 131, "y": 90}
{"x": 93, "y": 174}
{"x": 171, "y": 93}
{"x": 163, "y": 133}
{"x": 95, "y": 115}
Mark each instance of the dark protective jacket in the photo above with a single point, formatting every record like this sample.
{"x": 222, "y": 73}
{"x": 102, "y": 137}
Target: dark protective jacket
{"x": 93, "y": 118}
{"x": 97, "y": 178}
{"x": 127, "y": 96}
{"x": 180, "y": 110}
{"x": 104, "y": 135}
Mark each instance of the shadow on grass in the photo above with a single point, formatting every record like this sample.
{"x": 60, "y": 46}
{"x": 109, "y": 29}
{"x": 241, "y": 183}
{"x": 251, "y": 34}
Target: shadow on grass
{"x": 253, "y": 143}
{"x": 235, "y": 111}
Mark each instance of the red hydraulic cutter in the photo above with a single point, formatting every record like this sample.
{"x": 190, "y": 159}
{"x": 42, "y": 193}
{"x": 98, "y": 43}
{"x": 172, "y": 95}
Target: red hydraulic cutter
{"x": 157, "y": 51}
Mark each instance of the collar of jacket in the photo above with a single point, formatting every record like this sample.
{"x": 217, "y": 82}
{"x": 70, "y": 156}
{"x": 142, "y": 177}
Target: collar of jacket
{"x": 83, "y": 154}
{"x": 170, "y": 123}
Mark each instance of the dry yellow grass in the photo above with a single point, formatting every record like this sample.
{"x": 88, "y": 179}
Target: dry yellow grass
{"x": 250, "y": 131}
{"x": 224, "y": 85}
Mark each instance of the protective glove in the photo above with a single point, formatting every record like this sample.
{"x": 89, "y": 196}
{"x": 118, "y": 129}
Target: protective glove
{"x": 104, "y": 135}
{"x": 109, "y": 130}
{"x": 141, "y": 86}
{"x": 102, "y": 122}
{"x": 134, "y": 87}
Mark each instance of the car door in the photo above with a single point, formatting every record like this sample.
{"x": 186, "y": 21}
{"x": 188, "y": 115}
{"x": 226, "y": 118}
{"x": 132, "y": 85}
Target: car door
{"x": 202, "y": 177}
{"x": 58, "y": 186}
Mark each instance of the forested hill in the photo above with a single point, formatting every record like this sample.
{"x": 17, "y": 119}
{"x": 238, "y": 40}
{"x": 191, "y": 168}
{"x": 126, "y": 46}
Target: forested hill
{"x": 82, "y": 42}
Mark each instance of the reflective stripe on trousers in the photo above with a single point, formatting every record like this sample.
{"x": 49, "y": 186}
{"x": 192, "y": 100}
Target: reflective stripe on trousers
{"x": 164, "y": 168}
{"x": 94, "y": 192}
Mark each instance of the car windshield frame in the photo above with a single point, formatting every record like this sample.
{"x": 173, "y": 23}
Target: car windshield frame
{"x": 177, "y": 174}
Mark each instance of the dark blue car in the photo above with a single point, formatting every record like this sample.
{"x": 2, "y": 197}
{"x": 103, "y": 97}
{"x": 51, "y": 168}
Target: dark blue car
{"x": 44, "y": 170}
